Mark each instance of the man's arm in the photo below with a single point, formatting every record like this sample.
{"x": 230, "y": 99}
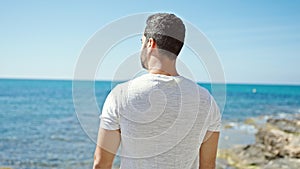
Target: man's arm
{"x": 208, "y": 150}
{"x": 107, "y": 146}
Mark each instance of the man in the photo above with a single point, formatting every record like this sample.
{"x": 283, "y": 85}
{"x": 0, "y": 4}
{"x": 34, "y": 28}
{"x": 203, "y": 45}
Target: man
{"x": 161, "y": 120}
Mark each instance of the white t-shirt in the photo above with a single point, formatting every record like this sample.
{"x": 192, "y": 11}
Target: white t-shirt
{"x": 163, "y": 120}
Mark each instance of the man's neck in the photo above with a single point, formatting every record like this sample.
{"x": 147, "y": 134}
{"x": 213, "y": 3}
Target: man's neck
{"x": 162, "y": 65}
{"x": 162, "y": 72}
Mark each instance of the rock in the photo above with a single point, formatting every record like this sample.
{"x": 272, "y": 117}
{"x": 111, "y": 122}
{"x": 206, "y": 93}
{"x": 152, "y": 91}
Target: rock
{"x": 290, "y": 126}
{"x": 277, "y": 146}
{"x": 273, "y": 141}
{"x": 250, "y": 121}
{"x": 283, "y": 163}
{"x": 228, "y": 126}
{"x": 278, "y": 143}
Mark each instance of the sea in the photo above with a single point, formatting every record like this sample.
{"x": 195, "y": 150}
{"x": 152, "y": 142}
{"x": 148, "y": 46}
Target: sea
{"x": 41, "y": 127}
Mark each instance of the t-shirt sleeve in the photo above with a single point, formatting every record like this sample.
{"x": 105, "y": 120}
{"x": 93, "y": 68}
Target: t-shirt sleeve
{"x": 214, "y": 116}
{"x": 109, "y": 119}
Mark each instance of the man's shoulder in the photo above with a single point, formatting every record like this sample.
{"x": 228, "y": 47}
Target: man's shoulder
{"x": 125, "y": 86}
{"x": 201, "y": 89}
{"x": 121, "y": 88}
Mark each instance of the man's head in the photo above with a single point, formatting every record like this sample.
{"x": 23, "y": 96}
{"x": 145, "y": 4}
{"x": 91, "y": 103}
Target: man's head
{"x": 167, "y": 32}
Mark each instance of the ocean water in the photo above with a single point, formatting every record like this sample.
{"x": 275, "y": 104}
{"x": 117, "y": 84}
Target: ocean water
{"x": 40, "y": 129}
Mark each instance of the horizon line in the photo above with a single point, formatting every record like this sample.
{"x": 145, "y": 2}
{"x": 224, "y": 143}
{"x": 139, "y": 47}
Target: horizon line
{"x": 123, "y": 80}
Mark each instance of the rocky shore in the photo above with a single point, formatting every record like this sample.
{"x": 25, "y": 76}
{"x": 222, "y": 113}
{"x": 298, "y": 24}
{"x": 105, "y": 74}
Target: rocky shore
{"x": 277, "y": 146}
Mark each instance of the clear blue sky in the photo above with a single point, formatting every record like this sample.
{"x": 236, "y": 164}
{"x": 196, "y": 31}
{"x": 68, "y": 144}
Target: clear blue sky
{"x": 257, "y": 41}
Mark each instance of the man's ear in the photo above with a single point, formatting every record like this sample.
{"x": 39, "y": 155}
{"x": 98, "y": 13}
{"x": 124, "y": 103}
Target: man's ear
{"x": 150, "y": 46}
{"x": 151, "y": 43}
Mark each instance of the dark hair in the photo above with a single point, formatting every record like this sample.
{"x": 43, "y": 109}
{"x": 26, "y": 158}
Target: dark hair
{"x": 168, "y": 32}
